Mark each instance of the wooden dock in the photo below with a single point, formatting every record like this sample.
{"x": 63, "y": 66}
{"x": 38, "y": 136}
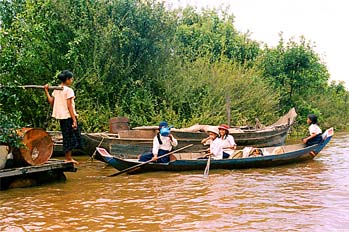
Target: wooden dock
{"x": 51, "y": 171}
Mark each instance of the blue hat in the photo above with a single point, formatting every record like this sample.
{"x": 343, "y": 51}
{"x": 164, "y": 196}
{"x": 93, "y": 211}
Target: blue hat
{"x": 163, "y": 124}
{"x": 165, "y": 131}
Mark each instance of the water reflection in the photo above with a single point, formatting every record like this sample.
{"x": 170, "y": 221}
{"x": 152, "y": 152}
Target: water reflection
{"x": 311, "y": 196}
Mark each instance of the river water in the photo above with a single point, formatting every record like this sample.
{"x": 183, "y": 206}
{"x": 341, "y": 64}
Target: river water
{"x": 311, "y": 196}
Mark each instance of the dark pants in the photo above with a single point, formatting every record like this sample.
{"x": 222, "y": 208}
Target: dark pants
{"x": 71, "y": 137}
{"x": 225, "y": 155}
{"x": 149, "y": 155}
{"x": 316, "y": 140}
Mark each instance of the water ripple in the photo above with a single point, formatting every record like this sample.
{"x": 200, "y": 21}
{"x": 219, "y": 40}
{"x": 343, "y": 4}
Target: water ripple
{"x": 311, "y": 196}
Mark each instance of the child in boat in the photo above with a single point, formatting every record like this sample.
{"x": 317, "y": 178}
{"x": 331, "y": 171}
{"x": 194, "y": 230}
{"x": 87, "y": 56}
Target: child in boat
{"x": 314, "y": 130}
{"x": 227, "y": 141}
{"x": 63, "y": 105}
{"x": 215, "y": 144}
{"x": 163, "y": 143}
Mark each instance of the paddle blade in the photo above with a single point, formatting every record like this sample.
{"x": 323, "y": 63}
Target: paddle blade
{"x": 207, "y": 169}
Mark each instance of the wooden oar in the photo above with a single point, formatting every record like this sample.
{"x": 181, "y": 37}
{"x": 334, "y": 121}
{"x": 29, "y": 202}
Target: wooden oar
{"x": 207, "y": 169}
{"x": 139, "y": 165}
{"x": 37, "y": 87}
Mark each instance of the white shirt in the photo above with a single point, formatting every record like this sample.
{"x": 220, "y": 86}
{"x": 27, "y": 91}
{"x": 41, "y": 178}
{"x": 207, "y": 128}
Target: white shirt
{"x": 314, "y": 129}
{"x": 167, "y": 144}
{"x": 227, "y": 142}
{"x": 216, "y": 149}
{"x": 60, "y": 105}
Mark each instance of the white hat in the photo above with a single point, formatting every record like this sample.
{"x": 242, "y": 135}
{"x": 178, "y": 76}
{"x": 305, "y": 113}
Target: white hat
{"x": 213, "y": 129}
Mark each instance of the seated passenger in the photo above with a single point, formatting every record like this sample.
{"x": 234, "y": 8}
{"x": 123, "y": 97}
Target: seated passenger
{"x": 213, "y": 140}
{"x": 227, "y": 141}
{"x": 163, "y": 143}
{"x": 314, "y": 130}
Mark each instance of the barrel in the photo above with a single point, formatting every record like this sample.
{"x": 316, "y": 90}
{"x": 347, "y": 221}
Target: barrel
{"x": 3, "y": 155}
{"x": 38, "y": 147}
{"x": 118, "y": 123}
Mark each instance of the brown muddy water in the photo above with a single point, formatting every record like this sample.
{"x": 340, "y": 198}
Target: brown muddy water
{"x": 311, "y": 196}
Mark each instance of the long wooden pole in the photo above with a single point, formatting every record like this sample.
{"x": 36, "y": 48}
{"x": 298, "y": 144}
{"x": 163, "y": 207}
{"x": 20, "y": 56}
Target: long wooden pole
{"x": 139, "y": 165}
{"x": 41, "y": 87}
{"x": 36, "y": 87}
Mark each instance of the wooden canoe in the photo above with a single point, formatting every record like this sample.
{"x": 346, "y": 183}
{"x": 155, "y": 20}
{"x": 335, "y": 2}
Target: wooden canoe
{"x": 189, "y": 161}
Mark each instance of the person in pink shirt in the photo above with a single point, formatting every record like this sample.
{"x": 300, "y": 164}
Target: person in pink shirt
{"x": 63, "y": 105}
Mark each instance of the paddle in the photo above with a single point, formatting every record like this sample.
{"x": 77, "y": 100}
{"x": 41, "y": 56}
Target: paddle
{"x": 141, "y": 164}
{"x": 207, "y": 169}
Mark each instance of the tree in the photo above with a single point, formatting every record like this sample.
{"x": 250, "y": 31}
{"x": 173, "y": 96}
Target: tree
{"x": 294, "y": 70}
{"x": 212, "y": 34}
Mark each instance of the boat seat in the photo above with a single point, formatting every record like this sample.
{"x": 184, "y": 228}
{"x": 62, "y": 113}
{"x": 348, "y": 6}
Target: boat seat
{"x": 188, "y": 156}
{"x": 294, "y": 147}
{"x": 236, "y": 155}
{"x": 273, "y": 150}
{"x": 267, "y": 151}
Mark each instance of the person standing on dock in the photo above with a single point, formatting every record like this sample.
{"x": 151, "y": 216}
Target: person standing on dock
{"x": 63, "y": 105}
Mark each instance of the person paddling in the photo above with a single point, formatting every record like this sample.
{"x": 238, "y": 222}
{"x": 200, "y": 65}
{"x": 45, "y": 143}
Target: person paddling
{"x": 163, "y": 143}
{"x": 215, "y": 144}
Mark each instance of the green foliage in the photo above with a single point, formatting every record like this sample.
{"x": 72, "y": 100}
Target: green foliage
{"x": 212, "y": 34}
{"x": 332, "y": 105}
{"x": 140, "y": 60}
{"x": 294, "y": 70}
{"x": 8, "y": 134}
{"x": 9, "y": 121}
{"x": 202, "y": 89}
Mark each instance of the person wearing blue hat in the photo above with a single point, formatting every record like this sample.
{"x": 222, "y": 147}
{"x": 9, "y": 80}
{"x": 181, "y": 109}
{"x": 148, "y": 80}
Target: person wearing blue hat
{"x": 163, "y": 124}
{"x": 163, "y": 143}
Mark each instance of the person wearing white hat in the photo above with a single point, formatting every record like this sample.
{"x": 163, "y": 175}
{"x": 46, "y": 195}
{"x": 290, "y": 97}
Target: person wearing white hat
{"x": 215, "y": 146}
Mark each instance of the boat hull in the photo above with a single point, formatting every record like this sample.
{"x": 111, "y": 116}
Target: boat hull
{"x": 300, "y": 154}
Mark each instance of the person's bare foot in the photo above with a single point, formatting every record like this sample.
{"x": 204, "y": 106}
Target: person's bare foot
{"x": 312, "y": 153}
{"x": 72, "y": 161}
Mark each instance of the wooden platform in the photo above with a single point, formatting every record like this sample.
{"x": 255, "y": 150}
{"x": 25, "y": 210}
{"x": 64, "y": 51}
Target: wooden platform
{"x": 27, "y": 176}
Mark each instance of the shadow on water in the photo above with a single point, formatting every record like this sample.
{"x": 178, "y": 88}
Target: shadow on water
{"x": 310, "y": 196}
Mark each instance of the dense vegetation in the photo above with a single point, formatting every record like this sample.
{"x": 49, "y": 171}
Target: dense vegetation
{"x": 141, "y": 60}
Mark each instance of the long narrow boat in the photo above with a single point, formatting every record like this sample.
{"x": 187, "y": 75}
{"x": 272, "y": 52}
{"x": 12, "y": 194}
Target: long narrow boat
{"x": 273, "y": 156}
